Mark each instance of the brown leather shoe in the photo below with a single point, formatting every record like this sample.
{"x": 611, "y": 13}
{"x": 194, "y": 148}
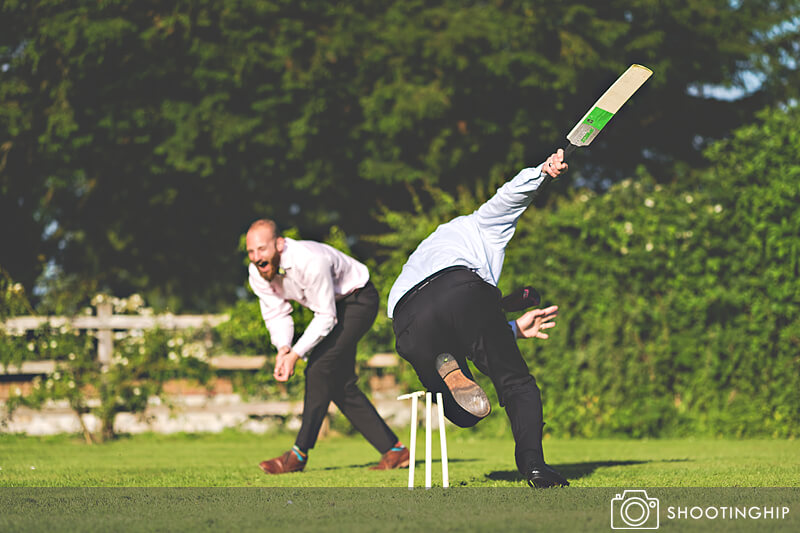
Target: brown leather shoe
{"x": 467, "y": 394}
{"x": 288, "y": 462}
{"x": 392, "y": 459}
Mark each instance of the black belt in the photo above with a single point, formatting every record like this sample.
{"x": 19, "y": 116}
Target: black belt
{"x": 416, "y": 288}
{"x": 356, "y": 291}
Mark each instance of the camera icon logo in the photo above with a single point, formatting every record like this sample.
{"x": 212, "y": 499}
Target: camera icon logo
{"x": 633, "y": 509}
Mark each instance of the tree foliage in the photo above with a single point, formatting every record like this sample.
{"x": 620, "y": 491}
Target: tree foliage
{"x": 138, "y": 140}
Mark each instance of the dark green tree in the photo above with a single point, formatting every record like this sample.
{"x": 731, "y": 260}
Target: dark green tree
{"x": 138, "y": 140}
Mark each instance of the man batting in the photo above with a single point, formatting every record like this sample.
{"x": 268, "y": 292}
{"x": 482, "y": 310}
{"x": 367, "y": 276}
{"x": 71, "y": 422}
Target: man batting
{"x": 446, "y": 308}
{"x": 338, "y": 290}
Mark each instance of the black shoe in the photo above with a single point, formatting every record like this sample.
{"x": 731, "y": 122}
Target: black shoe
{"x": 541, "y": 476}
{"x": 467, "y": 394}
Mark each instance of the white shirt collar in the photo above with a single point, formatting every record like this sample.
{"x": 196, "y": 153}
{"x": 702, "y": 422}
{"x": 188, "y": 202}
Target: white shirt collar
{"x": 287, "y": 258}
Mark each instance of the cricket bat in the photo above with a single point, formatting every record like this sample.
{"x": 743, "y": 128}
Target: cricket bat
{"x": 588, "y": 127}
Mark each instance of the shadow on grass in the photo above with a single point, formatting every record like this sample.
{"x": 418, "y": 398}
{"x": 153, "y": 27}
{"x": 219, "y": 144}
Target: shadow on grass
{"x": 417, "y": 464}
{"x": 572, "y": 470}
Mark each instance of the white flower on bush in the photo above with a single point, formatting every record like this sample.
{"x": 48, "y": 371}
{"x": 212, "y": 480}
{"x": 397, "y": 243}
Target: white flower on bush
{"x": 31, "y": 347}
{"x": 18, "y": 391}
{"x": 648, "y": 202}
{"x": 56, "y": 375}
{"x": 649, "y": 247}
{"x": 48, "y": 384}
{"x": 71, "y": 384}
{"x": 624, "y": 250}
{"x": 53, "y": 344}
{"x": 118, "y": 304}
{"x": 63, "y": 329}
{"x": 124, "y": 361}
{"x": 689, "y": 198}
{"x": 583, "y": 197}
{"x": 173, "y": 356}
{"x": 171, "y": 343}
{"x": 141, "y": 350}
{"x": 137, "y": 391}
{"x": 135, "y": 302}
{"x": 718, "y": 208}
{"x": 196, "y": 350}
{"x": 99, "y": 299}
{"x": 71, "y": 356}
{"x": 628, "y": 228}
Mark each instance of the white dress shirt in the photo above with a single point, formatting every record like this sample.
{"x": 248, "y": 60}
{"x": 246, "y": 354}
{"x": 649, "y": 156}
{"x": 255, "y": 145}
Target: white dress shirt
{"x": 477, "y": 241}
{"x": 316, "y": 276}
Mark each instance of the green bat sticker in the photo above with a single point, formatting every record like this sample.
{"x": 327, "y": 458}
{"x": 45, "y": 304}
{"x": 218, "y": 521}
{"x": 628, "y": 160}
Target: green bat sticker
{"x": 598, "y": 118}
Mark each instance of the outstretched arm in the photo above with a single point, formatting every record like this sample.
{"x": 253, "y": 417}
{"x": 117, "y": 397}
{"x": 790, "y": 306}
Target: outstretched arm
{"x": 498, "y": 217}
{"x": 532, "y": 323}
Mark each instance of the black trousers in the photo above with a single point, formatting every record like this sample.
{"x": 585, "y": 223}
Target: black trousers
{"x": 459, "y": 313}
{"x": 331, "y": 377}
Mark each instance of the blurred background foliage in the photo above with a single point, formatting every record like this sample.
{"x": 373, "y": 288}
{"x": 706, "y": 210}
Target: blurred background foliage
{"x": 138, "y": 141}
{"x": 679, "y": 302}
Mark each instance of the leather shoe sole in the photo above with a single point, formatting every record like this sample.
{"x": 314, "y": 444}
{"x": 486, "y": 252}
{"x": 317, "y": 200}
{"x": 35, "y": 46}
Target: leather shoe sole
{"x": 467, "y": 394}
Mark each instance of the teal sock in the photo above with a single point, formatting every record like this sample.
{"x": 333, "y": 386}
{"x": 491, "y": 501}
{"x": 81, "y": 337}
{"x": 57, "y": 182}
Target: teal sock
{"x": 301, "y": 456}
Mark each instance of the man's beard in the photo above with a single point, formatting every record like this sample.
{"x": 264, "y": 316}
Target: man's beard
{"x": 270, "y": 274}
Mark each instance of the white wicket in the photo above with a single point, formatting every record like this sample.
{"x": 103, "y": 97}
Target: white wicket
{"x": 414, "y": 396}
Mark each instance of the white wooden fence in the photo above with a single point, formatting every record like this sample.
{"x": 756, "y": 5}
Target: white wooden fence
{"x": 197, "y": 412}
{"x": 105, "y": 322}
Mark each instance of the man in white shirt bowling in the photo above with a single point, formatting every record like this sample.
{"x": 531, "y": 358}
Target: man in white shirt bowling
{"x": 338, "y": 290}
{"x": 446, "y": 308}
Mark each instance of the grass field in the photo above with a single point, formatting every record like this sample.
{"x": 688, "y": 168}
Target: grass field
{"x": 211, "y": 482}
{"x": 230, "y": 459}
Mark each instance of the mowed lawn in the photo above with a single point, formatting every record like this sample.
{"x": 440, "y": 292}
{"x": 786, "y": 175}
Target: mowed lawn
{"x": 62, "y": 484}
{"x": 230, "y": 459}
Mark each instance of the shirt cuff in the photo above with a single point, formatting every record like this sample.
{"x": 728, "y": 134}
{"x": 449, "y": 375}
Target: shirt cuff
{"x": 513, "y": 324}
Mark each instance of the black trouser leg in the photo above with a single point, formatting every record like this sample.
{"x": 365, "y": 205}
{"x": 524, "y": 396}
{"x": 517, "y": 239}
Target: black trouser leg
{"x": 460, "y": 313}
{"x": 330, "y": 376}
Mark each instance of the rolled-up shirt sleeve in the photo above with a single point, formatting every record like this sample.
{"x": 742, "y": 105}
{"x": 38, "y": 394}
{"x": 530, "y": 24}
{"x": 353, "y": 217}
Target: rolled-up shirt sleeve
{"x": 278, "y": 319}
{"x": 322, "y": 301}
{"x": 276, "y": 312}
